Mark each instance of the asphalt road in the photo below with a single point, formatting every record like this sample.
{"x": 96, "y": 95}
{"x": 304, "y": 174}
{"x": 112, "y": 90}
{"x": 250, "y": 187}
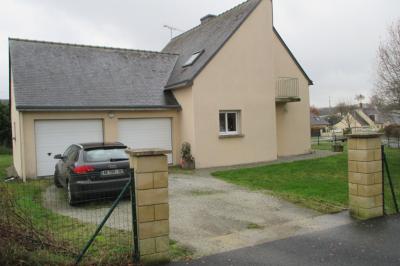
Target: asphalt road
{"x": 376, "y": 242}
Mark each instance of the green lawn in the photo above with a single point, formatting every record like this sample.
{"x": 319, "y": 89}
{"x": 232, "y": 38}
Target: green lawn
{"x": 320, "y": 184}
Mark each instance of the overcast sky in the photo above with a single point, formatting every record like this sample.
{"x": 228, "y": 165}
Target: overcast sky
{"x": 334, "y": 40}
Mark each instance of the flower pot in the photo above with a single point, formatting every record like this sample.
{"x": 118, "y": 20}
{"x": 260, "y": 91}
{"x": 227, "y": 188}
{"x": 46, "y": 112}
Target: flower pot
{"x": 188, "y": 164}
{"x": 337, "y": 147}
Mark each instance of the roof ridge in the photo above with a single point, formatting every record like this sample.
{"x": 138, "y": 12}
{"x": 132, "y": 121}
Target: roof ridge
{"x": 90, "y": 46}
{"x": 217, "y": 16}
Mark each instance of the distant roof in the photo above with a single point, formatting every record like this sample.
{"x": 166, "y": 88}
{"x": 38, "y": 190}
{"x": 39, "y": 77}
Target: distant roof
{"x": 358, "y": 118}
{"x": 318, "y": 121}
{"x": 50, "y": 75}
{"x": 208, "y": 37}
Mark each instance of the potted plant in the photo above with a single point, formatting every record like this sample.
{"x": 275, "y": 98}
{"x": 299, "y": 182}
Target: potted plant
{"x": 187, "y": 160}
{"x": 337, "y": 146}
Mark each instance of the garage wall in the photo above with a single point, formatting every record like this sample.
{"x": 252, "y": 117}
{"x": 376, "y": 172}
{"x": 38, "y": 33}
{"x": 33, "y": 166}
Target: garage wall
{"x": 110, "y": 133}
{"x": 186, "y": 117}
{"x": 16, "y": 135}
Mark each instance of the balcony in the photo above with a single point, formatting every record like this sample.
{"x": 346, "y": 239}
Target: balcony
{"x": 287, "y": 90}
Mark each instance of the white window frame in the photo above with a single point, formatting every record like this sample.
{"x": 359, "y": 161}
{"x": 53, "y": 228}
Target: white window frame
{"x": 227, "y": 132}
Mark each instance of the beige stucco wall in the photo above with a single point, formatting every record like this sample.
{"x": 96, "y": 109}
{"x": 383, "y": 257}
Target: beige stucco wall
{"x": 186, "y": 117}
{"x": 110, "y": 127}
{"x": 16, "y": 135}
{"x": 239, "y": 77}
{"x": 292, "y": 119}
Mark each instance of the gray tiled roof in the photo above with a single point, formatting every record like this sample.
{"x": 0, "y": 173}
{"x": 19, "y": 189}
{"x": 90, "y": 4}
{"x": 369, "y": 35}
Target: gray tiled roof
{"x": 210, "y": 37}
{"x": 59, "y": 76}
{"x": 318, "y": 121}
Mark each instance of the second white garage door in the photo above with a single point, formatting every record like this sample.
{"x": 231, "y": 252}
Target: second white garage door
{"x": 146, "y": 133}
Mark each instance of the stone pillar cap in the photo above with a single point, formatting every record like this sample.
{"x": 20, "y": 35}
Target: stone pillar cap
{"x": 147, "y": 152}
{"x": 365, "y": 135}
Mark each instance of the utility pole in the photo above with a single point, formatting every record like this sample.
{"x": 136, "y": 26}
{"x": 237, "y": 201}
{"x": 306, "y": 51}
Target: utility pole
{"x": 172, "y": 29}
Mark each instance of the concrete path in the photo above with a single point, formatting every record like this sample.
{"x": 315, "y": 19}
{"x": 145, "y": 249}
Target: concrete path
{"x": 374, "y": 242}
{"x": 211, "y": 216}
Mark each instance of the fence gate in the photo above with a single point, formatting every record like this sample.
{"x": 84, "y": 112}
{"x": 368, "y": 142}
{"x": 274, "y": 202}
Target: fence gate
{"x": 391, "y": 179}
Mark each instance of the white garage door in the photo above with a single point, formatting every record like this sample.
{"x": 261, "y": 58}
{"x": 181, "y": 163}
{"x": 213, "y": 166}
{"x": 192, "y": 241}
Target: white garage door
{"x": 54, "y": 137}
{"x": 146, "y": 133}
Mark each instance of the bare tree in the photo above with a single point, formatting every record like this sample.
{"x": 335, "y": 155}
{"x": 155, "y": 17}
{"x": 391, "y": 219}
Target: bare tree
{"x": 314, "y": 110}
{"x": 388, "y": 73}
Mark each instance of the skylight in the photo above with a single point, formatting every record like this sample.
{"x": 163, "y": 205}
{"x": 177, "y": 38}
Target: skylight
{"x": 192, "y": 59}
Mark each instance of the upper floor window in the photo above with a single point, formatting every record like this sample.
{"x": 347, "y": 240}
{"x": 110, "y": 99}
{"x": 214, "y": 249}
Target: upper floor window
{"x": 192, "y": 59}
{"x": 229, "y": 122}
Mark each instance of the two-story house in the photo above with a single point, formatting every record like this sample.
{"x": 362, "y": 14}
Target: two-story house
{"x": 230, "y": 87}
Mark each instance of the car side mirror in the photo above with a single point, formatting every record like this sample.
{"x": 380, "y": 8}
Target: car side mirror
{"x": 58, "y": 157}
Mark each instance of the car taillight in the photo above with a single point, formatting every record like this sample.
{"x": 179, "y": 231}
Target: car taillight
{"x": 83, "y": 169}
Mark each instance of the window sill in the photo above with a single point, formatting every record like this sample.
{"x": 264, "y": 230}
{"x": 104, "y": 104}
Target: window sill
{"x": 227, "y": 136}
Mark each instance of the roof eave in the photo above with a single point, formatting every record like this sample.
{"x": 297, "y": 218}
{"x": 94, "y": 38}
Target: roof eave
{"x": 179, "y": 85}
{"x": 215, "y": 53}
{"x": 96, "y": 108}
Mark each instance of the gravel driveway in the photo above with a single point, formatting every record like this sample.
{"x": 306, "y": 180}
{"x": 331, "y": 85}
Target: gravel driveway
{"x": 211, "y": 216}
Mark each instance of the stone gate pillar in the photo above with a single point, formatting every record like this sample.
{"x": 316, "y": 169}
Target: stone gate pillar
{"x": 151, "y": 186}
{"x": 365, "y": 175}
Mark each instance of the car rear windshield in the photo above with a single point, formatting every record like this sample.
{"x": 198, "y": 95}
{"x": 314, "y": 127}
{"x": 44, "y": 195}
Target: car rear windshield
{"x": 105, "y": 155}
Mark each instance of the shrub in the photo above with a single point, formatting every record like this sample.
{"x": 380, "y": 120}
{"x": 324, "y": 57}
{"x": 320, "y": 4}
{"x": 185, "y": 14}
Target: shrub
{"x": 392, "y": 131}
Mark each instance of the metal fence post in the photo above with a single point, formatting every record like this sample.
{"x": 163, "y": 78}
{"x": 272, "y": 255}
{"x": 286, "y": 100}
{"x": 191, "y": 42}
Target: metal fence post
{"x": 391, "y": 183}
{"x": 383, "y": 177}
{"x": 135, "y": 231}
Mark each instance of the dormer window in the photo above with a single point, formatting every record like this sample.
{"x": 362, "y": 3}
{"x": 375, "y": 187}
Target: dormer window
{"x": 193, "y": 58}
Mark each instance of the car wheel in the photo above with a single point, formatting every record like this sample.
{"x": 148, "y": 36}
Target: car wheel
{"x": 56, "y": 180}
{"x": 71, "y": 198}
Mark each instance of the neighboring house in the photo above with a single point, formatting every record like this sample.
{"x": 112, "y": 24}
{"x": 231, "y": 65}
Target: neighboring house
{"x": 230, "y": 87}
{"x": 355, "y": 119}
{"x": 318, "y": 125}
{"x": 368, "y": 118}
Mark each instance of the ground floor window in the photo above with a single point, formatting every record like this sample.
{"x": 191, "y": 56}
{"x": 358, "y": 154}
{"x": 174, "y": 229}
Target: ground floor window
{"x": 229, "y": 122}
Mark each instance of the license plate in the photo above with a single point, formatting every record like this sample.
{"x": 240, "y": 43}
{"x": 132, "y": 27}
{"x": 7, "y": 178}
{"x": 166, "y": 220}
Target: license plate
{"x": 112, "y": 172}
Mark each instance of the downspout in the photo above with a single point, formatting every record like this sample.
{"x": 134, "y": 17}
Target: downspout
{"x": 21, "y": 125}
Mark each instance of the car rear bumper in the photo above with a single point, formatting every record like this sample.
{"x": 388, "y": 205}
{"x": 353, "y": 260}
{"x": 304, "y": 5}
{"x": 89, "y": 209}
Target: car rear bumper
{"x": 89, "y": 190}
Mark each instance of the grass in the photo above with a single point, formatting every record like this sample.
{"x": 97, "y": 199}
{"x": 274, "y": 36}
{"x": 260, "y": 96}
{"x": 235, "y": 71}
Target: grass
{"x": 326, "y": 146}
{"x": 319, "y": 184}
{"x": 111, "y": 247}
{"x": 254, "y": 226}
{"x": 179, "y": 252}
{"x": 5, "y": 150}
{"x": 5, "y": 162}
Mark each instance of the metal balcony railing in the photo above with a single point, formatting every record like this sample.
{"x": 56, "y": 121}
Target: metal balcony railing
{"x": 287, "y": 90}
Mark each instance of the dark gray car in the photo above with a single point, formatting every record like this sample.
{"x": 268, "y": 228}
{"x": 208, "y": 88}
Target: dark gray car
{"x": 92, "y": 170}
